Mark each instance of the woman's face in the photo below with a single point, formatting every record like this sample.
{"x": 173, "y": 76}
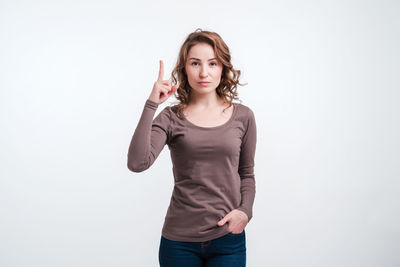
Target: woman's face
{"x": 202, "y": 66}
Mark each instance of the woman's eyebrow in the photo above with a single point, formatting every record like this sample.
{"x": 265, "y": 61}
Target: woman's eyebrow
{"x": 199, "y": 59}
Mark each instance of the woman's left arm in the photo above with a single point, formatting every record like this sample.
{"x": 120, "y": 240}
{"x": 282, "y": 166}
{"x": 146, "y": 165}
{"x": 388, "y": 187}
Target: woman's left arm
{"x": 246, "y": 166}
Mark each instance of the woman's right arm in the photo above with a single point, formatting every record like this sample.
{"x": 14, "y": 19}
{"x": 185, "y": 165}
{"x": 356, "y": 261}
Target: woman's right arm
{"x": 149, "y": 137}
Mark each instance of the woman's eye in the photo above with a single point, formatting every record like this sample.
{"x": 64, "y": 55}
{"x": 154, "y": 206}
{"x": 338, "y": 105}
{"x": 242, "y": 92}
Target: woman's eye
{"x": 212, "y": 63}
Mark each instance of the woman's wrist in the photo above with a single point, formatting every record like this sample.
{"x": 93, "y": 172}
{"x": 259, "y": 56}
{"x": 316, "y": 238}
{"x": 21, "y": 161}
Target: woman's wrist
{"x": 153, "y": 101}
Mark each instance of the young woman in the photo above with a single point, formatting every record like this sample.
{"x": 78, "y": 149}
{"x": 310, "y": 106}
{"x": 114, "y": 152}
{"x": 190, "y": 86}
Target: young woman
{"x": 212, "y": 142}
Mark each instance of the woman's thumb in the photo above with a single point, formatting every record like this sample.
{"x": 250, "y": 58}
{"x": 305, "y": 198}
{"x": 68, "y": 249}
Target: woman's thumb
{"x": 173, "y": 89}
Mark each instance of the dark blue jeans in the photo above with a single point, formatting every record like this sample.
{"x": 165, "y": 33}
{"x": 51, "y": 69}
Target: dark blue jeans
{"x": 227, "y": 250}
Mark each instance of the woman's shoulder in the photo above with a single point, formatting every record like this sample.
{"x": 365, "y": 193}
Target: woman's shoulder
{"x": 171, "y": 110}
{"x": 244, "y": 110}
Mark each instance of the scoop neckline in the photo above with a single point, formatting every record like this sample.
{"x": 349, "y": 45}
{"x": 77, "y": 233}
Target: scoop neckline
{"x": 213, "y": 127}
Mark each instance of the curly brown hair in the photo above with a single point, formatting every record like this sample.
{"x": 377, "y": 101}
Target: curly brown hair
{"x": 227, "y": 89}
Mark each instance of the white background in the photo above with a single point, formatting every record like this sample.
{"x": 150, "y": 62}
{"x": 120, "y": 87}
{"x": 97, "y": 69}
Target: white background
{"x": 323, "y": 82}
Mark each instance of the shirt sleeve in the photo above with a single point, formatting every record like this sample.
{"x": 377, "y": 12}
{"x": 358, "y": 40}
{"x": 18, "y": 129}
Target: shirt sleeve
{"x": 246, "y": 166}
{"x": 149, "y": 138}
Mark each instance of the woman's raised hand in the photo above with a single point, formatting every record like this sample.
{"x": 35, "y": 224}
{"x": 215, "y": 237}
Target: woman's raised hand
{"x": 162, "y": 89}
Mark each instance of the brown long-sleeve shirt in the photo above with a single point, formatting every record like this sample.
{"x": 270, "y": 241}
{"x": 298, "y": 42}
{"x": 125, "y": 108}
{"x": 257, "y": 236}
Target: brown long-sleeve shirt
{"x": 213, "y": 168}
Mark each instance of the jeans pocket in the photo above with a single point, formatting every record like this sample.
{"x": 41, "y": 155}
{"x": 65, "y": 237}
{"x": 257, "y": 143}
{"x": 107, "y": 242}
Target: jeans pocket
{"x": 238, "y": 234}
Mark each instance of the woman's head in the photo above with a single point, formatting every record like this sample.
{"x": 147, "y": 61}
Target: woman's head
{"x": 202, "y": 66}
{"x": 204, "y": 56}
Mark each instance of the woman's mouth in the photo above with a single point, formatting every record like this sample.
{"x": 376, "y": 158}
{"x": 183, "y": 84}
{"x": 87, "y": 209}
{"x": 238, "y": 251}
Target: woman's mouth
{"x": 204, "y": 83}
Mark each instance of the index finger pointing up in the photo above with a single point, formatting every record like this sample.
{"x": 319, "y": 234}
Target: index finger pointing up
{"x": 161, "y": 71}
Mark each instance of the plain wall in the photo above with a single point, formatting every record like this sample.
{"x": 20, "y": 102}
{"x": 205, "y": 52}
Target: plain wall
{"x": 323, "y": 82}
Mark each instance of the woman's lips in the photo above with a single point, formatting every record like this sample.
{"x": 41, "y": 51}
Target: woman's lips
{"x": 204, "y": 83}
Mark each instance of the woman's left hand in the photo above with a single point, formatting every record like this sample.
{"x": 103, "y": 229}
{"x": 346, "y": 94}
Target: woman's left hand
{"x": 237, "y": 221}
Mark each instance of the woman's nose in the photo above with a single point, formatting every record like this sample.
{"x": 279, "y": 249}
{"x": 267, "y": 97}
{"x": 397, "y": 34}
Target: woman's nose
{"x": 203, "y": 71}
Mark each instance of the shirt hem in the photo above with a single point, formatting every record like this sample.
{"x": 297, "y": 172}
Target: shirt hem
{"x": 195, "y": 239}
